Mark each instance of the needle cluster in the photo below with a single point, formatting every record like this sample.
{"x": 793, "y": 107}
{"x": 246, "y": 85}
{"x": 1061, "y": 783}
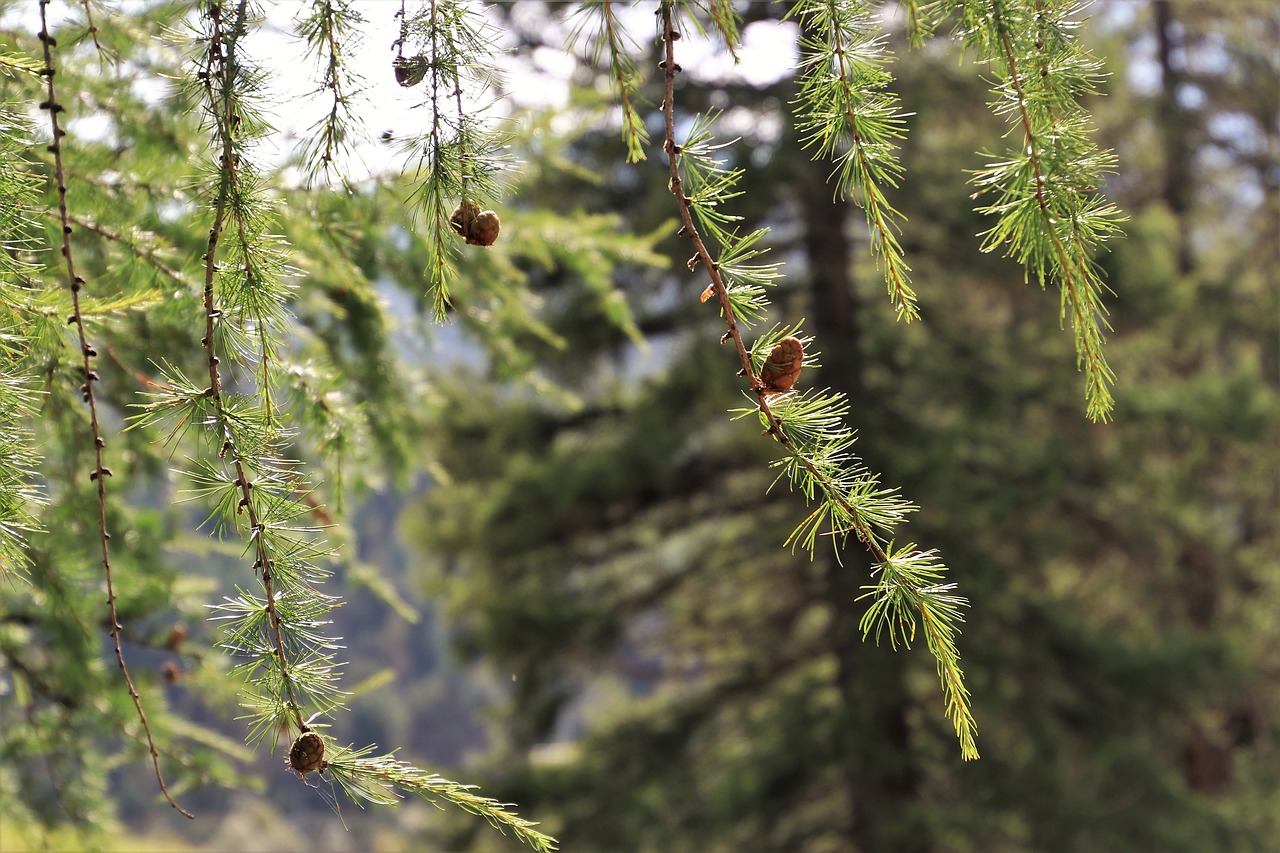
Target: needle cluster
{"x": 845, "y": 111}
{"x": 18, "y": 460}
{"x": 383, "y": 780}
{"x": 1044, "y": 188}
{"x": 609, "y": 44}
{"x": 330, "y": 29}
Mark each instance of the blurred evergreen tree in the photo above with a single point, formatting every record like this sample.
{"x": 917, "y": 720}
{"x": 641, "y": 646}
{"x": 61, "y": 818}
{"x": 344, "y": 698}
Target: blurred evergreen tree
{"x": 679, "y": 683}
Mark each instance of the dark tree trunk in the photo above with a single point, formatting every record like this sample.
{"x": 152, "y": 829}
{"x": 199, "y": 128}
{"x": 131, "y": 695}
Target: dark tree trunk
{"x": 872, "y": 735}
{"x": 1174, "y": 129}
{"x": 1208, "y": 759}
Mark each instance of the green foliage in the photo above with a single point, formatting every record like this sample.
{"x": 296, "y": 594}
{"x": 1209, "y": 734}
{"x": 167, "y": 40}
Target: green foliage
{"x": 843, "y": 111}
{"x": 461, "y": 159}
{"x": 909, "y": 585}
{"x": 810, "y": 426}
{"x": 331, "y": 31}
{"x": 18, "y": 460}
{"x": 612, "y": 40}
{"x": 1050, "y": 215}
{"x": 590, "y": 505}
{"x": 380, "y": 779}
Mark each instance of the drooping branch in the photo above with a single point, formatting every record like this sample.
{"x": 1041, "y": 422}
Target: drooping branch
{"x": 1045, "y": 190}
{"x": 19, "y": 191}
{"x": 809, "y": 427}
{"x": 845, "y": 111}
{"x": 611, "y": 42}
{"x": 280, "y": 636}
{"x": 461, "y": 155}
{"x": 222, "y": 86}
{"x": 330, "y": 32}
{"x": 100, "y": 472}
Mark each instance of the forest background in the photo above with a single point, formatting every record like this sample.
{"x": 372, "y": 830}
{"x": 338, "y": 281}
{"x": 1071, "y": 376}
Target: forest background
{"x": 562, "y": 564}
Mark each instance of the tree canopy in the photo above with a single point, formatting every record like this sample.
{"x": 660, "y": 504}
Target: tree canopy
{"x": 229, "y": 354}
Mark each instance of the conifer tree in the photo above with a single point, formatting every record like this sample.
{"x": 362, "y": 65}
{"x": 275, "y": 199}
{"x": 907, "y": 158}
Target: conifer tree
{"x": 190, "y": 337}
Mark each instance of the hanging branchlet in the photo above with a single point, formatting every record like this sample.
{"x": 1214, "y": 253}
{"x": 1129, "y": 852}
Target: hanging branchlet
{"x": 384, "y": 780}
{"x": 1044, "y": 191}
{"x": 330, "y": 29}
{"x": 253, "y": 487}
{"x": 844, "y": 111}
{"x": 810, "y": 426}
{"x": 99, "y": 473}
{"x": 250, "y": 274}
{"x": 705, "y": 16}
{"x": 611, "y": 45}
{"x": 278, "y": 636}
{"x": 461, "y": 155}
{"x": 922, "y": 19}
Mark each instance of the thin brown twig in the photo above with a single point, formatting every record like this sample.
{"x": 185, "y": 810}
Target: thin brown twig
{"x": 221, "y": 59}
{"x": 87, "y": 352}
{"x": 142, "y": 254}
{"x": 93, "y": 29}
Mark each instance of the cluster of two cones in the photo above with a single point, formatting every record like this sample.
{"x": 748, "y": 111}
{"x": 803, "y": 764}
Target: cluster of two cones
{"x": 477, "y": 227}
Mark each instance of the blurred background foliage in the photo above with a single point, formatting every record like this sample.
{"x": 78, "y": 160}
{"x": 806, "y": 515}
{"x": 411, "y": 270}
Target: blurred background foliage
{"x": 563, "y": 563}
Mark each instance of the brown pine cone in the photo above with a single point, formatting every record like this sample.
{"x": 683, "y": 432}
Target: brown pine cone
{"x": 463, "y": 215}
{"x": 409, "y": 72}
{"x": 782, "y": 368}
{"x": 484, "y": 229}
{"x": 477, "y": 227}
{"x": 307, "y": 753}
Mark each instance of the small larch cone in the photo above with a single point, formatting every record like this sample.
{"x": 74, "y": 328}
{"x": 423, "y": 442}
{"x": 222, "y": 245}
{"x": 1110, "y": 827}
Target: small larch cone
{"x": 484, "y": 229}
{"x": 307, "y": 753}
{"x": 462, "y": 217}
{"x": 782, "y": 368}
{"x": 409, "y": 72}
{"x": 477, "y": 227}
